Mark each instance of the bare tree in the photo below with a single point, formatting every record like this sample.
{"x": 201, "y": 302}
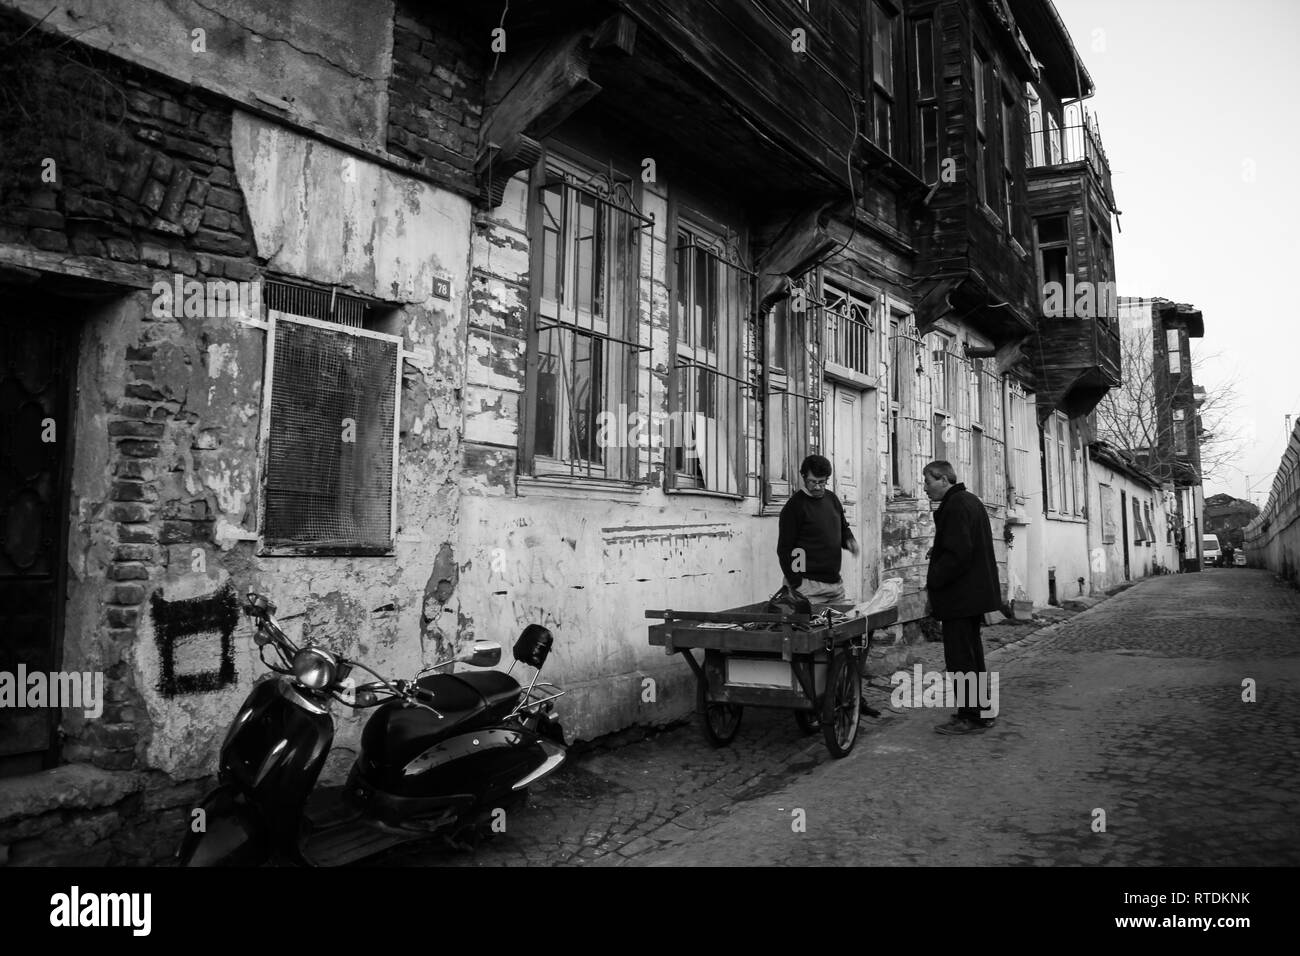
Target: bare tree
{"x": 1139, "y": 415}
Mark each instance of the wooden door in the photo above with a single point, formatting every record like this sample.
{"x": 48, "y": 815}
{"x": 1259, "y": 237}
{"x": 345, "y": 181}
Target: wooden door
{"x": 38, "y": 357}
{"x": 847, "y": 448}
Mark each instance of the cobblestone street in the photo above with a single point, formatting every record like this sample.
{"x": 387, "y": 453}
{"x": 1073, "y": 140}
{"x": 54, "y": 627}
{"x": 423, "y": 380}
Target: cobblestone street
{"x": 1133, "y": 707}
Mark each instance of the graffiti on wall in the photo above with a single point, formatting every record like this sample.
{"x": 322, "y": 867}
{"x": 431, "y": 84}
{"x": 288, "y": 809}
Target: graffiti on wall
{"x": 195, "y": 642}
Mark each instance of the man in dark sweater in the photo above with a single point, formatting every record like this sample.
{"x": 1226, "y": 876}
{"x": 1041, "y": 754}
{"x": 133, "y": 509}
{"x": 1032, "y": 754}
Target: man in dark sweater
{"x": 813, "y": 532}
{"x": 962, "y": 583}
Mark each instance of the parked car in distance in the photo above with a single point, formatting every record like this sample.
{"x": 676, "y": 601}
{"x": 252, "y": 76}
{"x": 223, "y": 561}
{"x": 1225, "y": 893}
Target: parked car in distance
{"x": 1239, "y": 559}
{"x": 1210, "y": 550}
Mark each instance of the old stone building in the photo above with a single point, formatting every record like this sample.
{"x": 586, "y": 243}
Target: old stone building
{"x": 429, "y": 325}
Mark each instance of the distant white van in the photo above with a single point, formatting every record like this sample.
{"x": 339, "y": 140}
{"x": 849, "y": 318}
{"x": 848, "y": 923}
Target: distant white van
{"x": 1210, "y": 549}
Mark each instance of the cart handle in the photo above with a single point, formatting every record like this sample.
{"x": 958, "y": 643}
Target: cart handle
{"x": 736, "y": 617}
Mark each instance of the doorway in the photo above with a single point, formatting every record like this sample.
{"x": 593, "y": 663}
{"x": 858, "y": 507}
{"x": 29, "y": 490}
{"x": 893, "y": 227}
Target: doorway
{"x": 38, "y": 364}
{"x": 850, "y": 445}
{"x": 1123, "y": 517}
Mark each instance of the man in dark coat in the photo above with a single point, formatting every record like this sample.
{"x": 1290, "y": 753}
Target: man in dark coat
{"x": 962, "y": 583}
{"x": 813, "y": 530}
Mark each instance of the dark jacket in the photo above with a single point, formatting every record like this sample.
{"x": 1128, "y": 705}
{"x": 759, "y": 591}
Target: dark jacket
{"x": 818, "y": 526}
{"x": 963, "y": 577}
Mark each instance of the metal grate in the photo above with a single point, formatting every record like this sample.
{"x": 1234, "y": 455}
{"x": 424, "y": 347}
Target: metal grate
{"x": 328, "y": 305}
{"x": 849, "y": 329}
{"x": 329, "y": 481}
{"x": 592, "y": 346}
{"x": 714, "y": 390}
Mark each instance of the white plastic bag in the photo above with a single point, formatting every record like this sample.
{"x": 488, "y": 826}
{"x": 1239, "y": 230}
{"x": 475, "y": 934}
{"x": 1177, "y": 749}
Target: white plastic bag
{"x": 891, "y": 589}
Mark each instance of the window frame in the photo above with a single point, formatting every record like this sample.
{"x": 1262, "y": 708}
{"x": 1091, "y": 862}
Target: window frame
{"x": 575, "y": 172}
{"x": 1037, "y": 154}
{"x": 925, "y": 91}
{"x": 888, "y": 96}
{"x": 947, "y": 408}
{"x": 273, "y": 318}
{"x": 721, "y": 245}
{"x": 1174, "y": 354}
{"x": 1056, "y": 245}
{"x": 1178, "y": 424}
{"x": 979, "y": 93}
{"x": 903, "y": 402}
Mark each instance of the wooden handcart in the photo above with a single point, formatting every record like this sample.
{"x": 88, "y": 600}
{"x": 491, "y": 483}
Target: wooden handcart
{"x": 808, "y": 663}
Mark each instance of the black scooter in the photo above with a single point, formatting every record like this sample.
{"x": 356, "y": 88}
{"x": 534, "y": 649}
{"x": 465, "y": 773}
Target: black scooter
{"x": 440, "y": 755}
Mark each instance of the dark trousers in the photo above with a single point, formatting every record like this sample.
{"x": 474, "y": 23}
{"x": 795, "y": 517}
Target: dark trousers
{"x": 963, "y": 652}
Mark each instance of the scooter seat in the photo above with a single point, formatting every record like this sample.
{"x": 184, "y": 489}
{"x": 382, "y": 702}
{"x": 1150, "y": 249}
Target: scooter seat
{"x": 498, "y": 689}
{"x": 459, "y": 697}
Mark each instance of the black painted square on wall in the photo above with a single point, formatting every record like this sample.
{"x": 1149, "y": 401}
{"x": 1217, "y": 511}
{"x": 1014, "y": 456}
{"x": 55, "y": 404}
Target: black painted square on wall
{"x": 192, "y": 632}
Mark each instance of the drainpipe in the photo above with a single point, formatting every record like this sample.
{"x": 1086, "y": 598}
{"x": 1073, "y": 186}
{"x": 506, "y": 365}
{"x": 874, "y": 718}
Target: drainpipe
{"x": 1008, "y": 469}
{"x": 1087, "y": 510}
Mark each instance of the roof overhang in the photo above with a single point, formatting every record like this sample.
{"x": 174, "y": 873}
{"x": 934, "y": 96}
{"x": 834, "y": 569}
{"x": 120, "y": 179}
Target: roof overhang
{"x": 1051, "y": 45}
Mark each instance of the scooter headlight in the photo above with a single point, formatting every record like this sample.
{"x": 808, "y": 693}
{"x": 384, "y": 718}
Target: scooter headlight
{"x": 314, "y": 668}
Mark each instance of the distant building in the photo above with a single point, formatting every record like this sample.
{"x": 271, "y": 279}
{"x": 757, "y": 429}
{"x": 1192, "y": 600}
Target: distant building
{"x": 1227, "y": 517}
{"x": 1165, "y": 441}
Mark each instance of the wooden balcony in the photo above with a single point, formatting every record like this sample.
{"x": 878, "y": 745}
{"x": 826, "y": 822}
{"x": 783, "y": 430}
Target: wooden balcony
{"x": 712, "y": 87}
{"x": 1075, "y": 362}
{"x": 1069, "y": 153}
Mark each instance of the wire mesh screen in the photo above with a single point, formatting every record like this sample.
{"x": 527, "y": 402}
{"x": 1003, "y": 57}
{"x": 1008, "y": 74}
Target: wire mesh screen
{"x": 330, "y": 455}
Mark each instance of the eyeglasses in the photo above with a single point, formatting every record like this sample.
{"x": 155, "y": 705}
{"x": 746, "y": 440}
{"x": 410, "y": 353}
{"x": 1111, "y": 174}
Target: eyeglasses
{"x": 816, "y": 482}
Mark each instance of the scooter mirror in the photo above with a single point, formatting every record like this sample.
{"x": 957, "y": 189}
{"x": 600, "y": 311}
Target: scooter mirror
{"x": 482, "y": 654}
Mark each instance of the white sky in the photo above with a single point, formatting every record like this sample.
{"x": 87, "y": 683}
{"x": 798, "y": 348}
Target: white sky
{"x": 1192, "y": 96}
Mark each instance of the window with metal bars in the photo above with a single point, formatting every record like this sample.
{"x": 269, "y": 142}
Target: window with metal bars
{"x": 909, "y": 424}
{"x": 987, "y": 464}
{"x": 1023, "y": 438}
{"x": 711, "y": 382}
{"x": 590, "y": 347}
{"x": 1063, "y": 467}
{"x": 329, "y": 425}
{"x": 790, "y": 399}
{"x": 850, "y": 328}
{"x": 942, "y": 396}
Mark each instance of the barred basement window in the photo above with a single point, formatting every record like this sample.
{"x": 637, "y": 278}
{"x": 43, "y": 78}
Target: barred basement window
{"x": 329, "y": 424}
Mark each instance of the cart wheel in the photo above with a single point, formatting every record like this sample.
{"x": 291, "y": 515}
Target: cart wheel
{"x": 841, "y": 706}
{"x": 809, "y": 721}
{"x": 718, "y": 721}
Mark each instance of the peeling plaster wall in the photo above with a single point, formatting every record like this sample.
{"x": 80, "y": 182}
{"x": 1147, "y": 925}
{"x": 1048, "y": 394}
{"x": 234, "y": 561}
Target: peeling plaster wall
{"x": 1062, "y": 545}
{"x": 318, "y": 211}
{"x": 589, "y": 569}
{"x": 201, "y": 480}
{"x": 1107, "y": 570}
{"x": 330, "y": 58}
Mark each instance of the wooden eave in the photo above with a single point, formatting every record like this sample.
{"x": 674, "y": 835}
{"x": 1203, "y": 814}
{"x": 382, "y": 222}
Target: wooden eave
{"x": 1051, "y": 44}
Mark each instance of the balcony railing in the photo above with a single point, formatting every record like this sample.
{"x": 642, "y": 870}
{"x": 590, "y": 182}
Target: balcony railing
{"x": 1071, "y": 144}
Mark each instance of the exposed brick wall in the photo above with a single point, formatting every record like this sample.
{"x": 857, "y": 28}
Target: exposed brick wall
{"x": 435, "y": 95}
{"x": 152, "y": 183}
